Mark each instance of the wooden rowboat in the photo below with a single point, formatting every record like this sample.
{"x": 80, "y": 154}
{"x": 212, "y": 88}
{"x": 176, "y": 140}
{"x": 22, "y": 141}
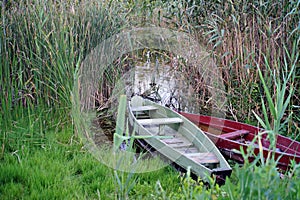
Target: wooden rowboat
{"x": 229, "y": 136}
{"x": 177, "y": 139}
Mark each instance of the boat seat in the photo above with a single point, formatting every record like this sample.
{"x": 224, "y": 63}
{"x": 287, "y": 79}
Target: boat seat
{"x": 160, "y": 121}
{"x": 204, "y": 158}
{"x": 142, "y": 116}
{"x": 143, "y": 108}
{"x": 235, "y": 134}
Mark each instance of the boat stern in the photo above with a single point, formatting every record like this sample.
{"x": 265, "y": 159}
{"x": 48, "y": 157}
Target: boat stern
{"x": 220, "y": 175}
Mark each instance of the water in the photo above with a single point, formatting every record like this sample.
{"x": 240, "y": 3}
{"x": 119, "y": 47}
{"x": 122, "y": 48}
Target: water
{"x": 165, "y": 84}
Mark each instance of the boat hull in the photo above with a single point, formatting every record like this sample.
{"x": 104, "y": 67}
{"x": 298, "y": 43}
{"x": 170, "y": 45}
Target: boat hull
{"x": 177, "y": 139}
{"x": 286, "y": 148}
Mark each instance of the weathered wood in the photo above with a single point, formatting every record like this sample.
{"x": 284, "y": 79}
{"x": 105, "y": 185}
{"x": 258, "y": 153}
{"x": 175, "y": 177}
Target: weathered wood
{"x": 172, "y": 141}
{"x": 177, "y": 142}
{"x": 187, "y": 149}
{"x": 142, "y": 116}
{"x": 204, "y": 158}
{"x": 235, "y": 134}
{"x": 143, "y": 108}
{"x": 160, "y": 121}
{"x": 181, "y": 145}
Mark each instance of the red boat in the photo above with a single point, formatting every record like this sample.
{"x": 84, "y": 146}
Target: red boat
{"x": 229, "y": 136}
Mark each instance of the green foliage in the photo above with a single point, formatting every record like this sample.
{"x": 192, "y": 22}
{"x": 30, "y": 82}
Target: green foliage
{"x": 261, "y": 179}
{"x": 262, "y": 183}
{"x": 278, "y": 106}
{"x": 55, "y": 171}
{"x": 278, "y": 102}
{"x": 63, "y": 169}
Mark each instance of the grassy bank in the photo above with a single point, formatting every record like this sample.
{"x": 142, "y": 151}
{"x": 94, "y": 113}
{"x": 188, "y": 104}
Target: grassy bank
{"x": 63, "y": 169}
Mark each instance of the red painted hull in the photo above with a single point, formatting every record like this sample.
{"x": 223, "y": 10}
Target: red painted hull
{"x": 230, "y": 136}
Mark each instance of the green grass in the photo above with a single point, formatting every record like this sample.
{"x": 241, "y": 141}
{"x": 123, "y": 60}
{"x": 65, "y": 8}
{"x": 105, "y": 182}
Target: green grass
{"x": 262, "y": 182}
{"x": 57, "y": 170}
{"x": 62, "y": 169}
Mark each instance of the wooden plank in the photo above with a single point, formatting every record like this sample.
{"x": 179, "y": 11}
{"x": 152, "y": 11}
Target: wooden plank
{"x": 183, "y": 144}
{"x": 204, "y": 158}
{"x": 180, "y": 145}
{"x": 234, "y": 135}
{"x": 140, "y": 113}
{"x": 178, "y": 142}
{"x": 160, "y": 121}
{"x": 142, "y": 117}
{"x": 172, "y": 141}
{"x": 188, "y": 149}
{"x": 143, "y": 108}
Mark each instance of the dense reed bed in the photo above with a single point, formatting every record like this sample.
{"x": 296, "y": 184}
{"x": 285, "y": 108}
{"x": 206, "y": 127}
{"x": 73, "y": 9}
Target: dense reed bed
{"x": 242, "y": 37}
{"x": 42, "y": 46}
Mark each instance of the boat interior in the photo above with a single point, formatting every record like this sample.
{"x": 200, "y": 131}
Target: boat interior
{"x": 157, "y": 123}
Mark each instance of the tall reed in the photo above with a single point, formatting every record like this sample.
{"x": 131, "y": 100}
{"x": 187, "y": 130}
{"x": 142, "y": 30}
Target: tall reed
{"x": 241, "y": 35}
{"x": 42, "y": 46}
